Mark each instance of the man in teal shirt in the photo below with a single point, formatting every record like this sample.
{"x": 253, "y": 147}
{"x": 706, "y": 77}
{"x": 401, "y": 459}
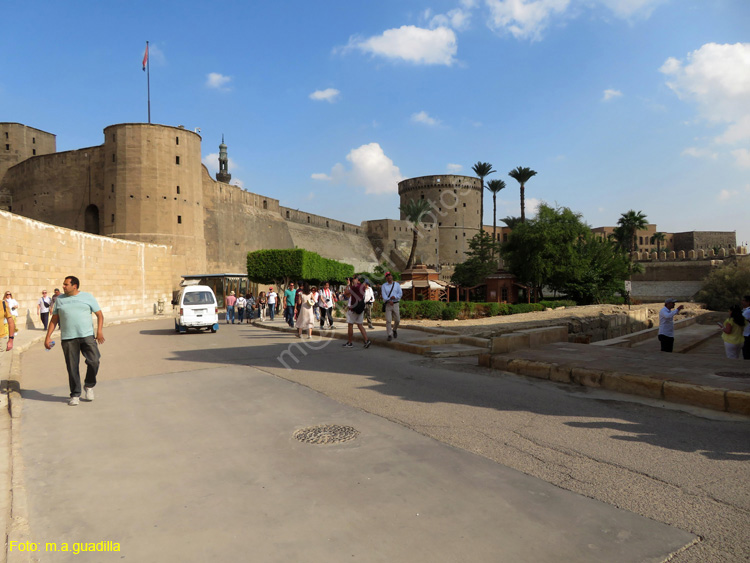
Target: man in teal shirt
{"x": 290, "y": 296}
{"x": 72, "y": 311}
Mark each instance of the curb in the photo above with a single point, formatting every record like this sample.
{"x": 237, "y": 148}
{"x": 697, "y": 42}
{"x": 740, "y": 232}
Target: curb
{"x": 654, "y": 387}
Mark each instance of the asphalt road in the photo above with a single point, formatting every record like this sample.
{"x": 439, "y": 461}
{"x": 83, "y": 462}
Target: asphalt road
{"x": 180, "y": 401}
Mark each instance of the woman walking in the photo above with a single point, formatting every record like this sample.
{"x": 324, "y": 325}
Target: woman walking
{"x": 732, "y": 332}
{"x": 305, "y": 317}
{"x": 262, "y": 305}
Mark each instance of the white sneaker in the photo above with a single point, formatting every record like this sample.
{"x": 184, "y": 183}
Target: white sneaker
{"x": 73, "y": 402}
{"x": 88, "y": 393}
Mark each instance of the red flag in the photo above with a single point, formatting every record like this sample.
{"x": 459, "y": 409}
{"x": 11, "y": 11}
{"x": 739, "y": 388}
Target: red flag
{"x": 145, "y": 57}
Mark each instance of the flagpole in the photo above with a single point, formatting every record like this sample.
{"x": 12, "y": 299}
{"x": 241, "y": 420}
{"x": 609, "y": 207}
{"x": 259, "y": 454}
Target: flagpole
{"x": 148, "y": 83}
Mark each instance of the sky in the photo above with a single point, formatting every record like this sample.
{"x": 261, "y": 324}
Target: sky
{"x": 326, "y": 106}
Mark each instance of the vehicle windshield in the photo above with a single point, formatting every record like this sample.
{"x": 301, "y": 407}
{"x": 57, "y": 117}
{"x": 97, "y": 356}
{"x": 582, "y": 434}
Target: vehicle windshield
{"x": 198, "y": 298}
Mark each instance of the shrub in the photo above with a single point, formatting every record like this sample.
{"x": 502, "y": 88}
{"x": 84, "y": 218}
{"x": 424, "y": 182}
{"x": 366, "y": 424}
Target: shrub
{"x": 555, "y": 303}
{"x": 724, "y": 286}
{"x": 525, "y": 308}
{"x": 430, "y": 309}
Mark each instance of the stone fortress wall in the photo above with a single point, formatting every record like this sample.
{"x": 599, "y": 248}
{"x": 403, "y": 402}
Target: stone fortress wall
{"x": 127, "y": 278}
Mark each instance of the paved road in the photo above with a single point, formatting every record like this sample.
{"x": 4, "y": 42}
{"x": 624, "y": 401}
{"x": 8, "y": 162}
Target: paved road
{"x": 187, "y": 452}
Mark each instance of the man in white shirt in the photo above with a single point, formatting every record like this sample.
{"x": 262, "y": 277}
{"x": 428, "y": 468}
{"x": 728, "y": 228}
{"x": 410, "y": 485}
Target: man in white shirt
{"x": 391, "y": 294}
{"x": 369, "y": 300}
{"x": 326, "y": 302}
{"x": 746, "y": 330}
{"x": 666, "y": 324}
{"x": 271, "y": 301}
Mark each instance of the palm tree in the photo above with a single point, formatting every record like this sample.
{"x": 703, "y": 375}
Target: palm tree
{"x": 495, "y": 186}
{"x": 659, "y": 238}
{"x": 522, "y": 175}
{"x": 414, "y": 210}
{"x": 630, "y": 223}
{"x": 511, "y": 221}
{"x": 482, "y": 169}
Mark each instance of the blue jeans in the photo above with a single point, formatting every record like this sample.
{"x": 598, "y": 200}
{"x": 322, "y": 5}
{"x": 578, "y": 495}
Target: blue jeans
{"x": 271, "y": 309}
{"x": 72, "y": 350}
{"x": 240, "y": 314}
{"x": 230, "y": 313}
{"x": 289, "y": 315}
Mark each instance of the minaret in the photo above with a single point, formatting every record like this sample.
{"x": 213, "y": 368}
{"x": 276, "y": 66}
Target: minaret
{"x": 223, "y": 174}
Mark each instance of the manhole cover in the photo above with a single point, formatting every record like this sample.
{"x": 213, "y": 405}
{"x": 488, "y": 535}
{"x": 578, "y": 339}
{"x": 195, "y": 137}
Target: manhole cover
{"x": 326, "y": 434}
{"x": 735, "y": 374}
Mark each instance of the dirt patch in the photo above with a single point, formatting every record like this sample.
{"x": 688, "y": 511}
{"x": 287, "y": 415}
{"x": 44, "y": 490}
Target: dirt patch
{"x": 492, "y": 326}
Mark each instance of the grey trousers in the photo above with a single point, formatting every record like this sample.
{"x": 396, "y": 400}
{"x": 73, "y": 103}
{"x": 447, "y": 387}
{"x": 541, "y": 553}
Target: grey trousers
{"x": 72, "y": 350}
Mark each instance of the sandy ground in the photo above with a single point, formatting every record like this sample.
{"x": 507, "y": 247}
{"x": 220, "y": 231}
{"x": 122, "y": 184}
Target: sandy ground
{"x": 491, "y": 326}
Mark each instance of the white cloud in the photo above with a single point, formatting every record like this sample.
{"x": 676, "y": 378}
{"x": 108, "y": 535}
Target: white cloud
{"x": 700, "y": 153}
{"x": 212, "y": 163}
{"x": 454, "y": 168}
{"x": 370, "y": 169}
{"x": 725, "y": 195}
{"x": 532, "y": 205}
{"x": 611, "y": 94}
{"x": 742, "y": 157}
{"x": 528, "y": 19}
{"x": 329, "y": 95}
{"x": 717, "y": 78}
{"x": 412, "y": 44}
{"x": 320, "y": 176}
{"x": 457, "y": 19}
{"x": 524, "y": 19}
{"x": 217, "y": 81}
{"x": 423, "y": 117}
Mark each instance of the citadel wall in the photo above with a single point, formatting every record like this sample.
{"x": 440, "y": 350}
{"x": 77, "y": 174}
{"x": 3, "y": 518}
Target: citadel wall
{"x": 19, "y": 142}
{"x": 127, "y": 278}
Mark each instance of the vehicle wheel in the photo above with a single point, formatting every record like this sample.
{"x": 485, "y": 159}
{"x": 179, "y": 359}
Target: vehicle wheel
{"x": 213, "y": 330}
{"x": 176, "y": 327}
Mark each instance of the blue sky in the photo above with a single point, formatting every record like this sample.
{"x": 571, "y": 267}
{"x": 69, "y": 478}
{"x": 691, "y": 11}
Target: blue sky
{"x": 617, "y": 104}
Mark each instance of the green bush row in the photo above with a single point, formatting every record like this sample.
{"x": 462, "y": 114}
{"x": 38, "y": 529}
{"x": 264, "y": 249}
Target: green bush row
{"x": 437, "y": 310}
{"x": 266, "y": 266}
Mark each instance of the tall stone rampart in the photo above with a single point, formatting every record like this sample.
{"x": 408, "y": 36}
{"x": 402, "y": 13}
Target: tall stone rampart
{"x": 127, "y": 278}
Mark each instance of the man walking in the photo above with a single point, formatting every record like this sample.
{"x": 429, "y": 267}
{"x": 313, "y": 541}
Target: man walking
{"x": 326, "y": 302}
{"x": 73, "y": 312}
{"x": 271, "y": 301}
{"x": 290, "y": 296}
{"x": 666, "y": 324}
{"x": 42, "y": 308}
{"x": 391, "y": 293}
{"x": 229, "y": 301}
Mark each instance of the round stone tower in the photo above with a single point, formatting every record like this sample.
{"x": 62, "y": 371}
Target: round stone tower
{"x": 455, "y": 203}
{"x": 154, "y": 192}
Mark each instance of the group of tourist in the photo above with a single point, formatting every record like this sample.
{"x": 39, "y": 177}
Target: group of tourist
{"x": 304, "y": 305}
{"x": 242, "y": 308}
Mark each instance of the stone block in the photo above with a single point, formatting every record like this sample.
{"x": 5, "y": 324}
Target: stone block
{"x": 738, "y": 402}
{"x": 500, "y": 362}
{"x": 559, "y": 373}
{"x": 509, "y": 343}
{"x": 484, "y": 360}
{"x": 586, "y": 376}
{"x": 690, "y": 394}
{"x": 530, "y": 368}
{"x": 549, "y": 335}
{"x": 633, "y": 384}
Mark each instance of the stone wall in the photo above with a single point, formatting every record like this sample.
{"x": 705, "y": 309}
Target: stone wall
{"x": 127, "y": 278}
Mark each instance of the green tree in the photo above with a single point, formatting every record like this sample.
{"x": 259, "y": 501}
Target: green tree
{"x": 558, "y": 250}
{"x": 725, "y": 285}
{"x": 480, "y": 261}
{"x": 282, "y": 266}
{"x": 659, "y": 238}
{"x": 415, "y": 210}
{"x": 495, "y": 186}
{"x": 511, "y": 221}
{"x": 627, "y": 226}
{"x": 522, "y": 175}
{"x": 482, "y": 169}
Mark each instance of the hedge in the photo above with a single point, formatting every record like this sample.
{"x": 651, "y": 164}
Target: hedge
{"x": 266, "y": 266}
